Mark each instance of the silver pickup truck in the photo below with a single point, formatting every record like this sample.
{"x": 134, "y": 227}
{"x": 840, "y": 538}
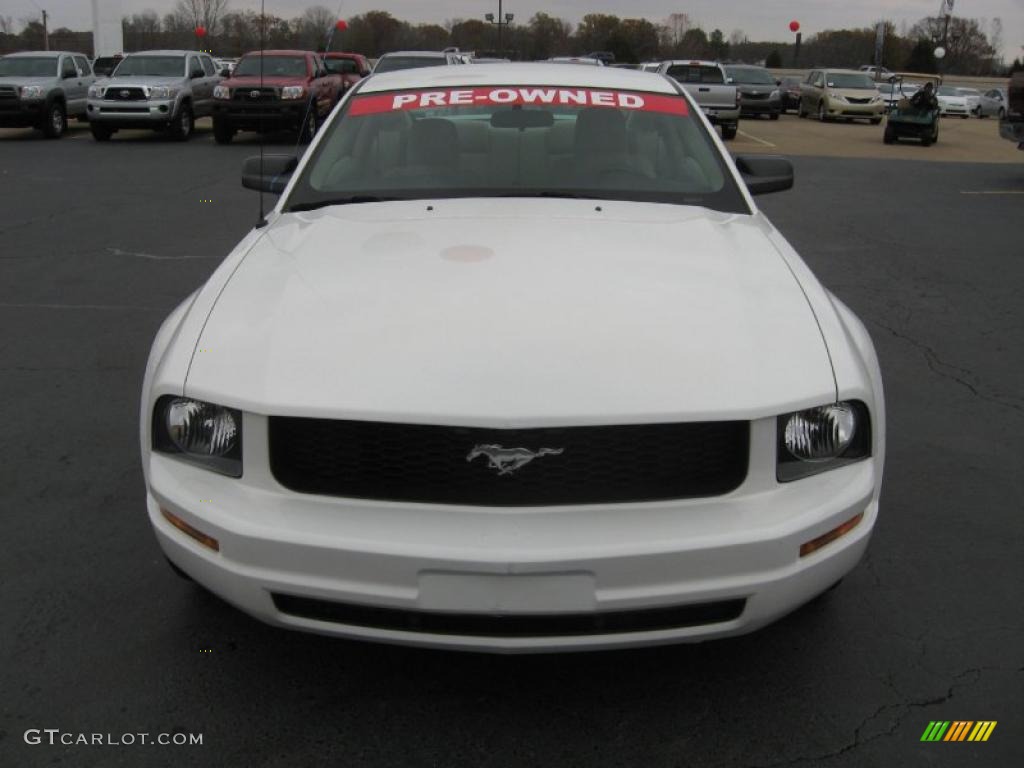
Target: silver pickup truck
{"x": 42, "y": 89}
{"x": 705, "y": 81}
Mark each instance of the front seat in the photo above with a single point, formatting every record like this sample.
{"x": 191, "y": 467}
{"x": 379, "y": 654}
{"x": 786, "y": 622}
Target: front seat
{"x": 433, "y": 153}
{"x": 600, "y": 144}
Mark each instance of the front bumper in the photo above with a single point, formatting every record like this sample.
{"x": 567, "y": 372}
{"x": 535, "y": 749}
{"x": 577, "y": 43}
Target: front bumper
{"x": 131, "y": 114}
{"x": 752, "y": 106}
{"x": 445, "y": 576}
{"x": 845, "y": 109}
{"x": 719, "y": 115}
{"x": 261, "y": 115}
{"x": 18, "y": 113}
{"x": 952, "y": 109}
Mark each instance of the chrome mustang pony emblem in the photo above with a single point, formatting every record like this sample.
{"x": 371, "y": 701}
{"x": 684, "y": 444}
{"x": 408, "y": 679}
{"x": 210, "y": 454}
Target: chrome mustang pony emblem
{"x": 508, "y": 460}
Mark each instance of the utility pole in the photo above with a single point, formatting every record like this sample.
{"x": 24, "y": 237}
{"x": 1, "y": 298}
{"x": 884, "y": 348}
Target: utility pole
{"x": 503, "y": 20}
{"x": 46, "y": 34}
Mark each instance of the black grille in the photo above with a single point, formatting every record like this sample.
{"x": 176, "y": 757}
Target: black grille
{"x": 586, "y": 465}
{"x": 859, "y": 101}
{"x": 262, "y": 94}
{"x": 113, "y": 93}
{"x": 514, "y": 624}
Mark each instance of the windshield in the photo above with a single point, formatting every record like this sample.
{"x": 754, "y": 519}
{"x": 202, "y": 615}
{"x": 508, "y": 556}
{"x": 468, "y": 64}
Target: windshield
{"x": 947, "y": 90}
{"x": 392, "y": 63}
{"x": 849, "y": 80}
{"x": 151, "y": 66}
{"x": 695, "y": 73}
{"x": 517, "y": 142}
{"x": 28, "y": 66}
{"x": 750, "y": 76}
{"x": 968, "y": 92}
{"x": 273, "y": 66}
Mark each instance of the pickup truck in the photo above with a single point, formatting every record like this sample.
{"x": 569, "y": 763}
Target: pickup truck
{"x": 1011, "y": 126}
{"x": 706, "y": 82}
{"x": 350, "y": 67}
{"x": 42, "y": 89}
{"x": 293, "y": 90}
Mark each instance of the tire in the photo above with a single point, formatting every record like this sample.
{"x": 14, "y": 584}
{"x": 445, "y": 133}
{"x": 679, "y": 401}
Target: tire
{"x": 935, "y": 133}
{"x": 100, "y": 132}
{"x": 56, "y": 120}
{"x": 1002, "y": 113}
{"x": 800, "y": 109}
{"x": 729, "y": 131}
{"x": 889, "y": 137}
{"x": 774, "y": 116}
{"x": 182, "y": 124}
{"x": 822, "y": 113}
{"x": 309, "y": 126}
{"x": 222, "y": 132}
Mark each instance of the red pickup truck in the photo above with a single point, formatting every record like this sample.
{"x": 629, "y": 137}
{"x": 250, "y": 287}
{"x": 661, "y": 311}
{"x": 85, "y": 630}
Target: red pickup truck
{"x": 294, "y": 91}
{"x": 352, "y": 67}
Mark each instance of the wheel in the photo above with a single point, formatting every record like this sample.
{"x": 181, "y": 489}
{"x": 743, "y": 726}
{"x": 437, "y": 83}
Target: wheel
{"x": 182, "y": 124}
{"x": 56, "y": 121}
{"x": 889, "y": 137}
{"x": 309, "y": 126}
{"x": 773, "y": 116}
{"x": 800, "y": 112}
{"x": 876, "y": 120}
{"x": 222, "y": 131}
{"x": 1002, "y": 113}
{"x": 935, "y": 133}
{"x": 100, "y": 132}
{"x": 729, "y": 131}
{"x": 822, "y": 112}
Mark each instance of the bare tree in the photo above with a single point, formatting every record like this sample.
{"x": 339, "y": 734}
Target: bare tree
{"x": 6, "y": 25}
{"x": 737, "y": 37}
{"x": 202, "y": 13}
{"x": 314, "y": 26}
{"x": 676, "y": 25}
{"x": 995, "y": 39}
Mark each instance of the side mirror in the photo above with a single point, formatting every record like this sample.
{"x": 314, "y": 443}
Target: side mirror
{"x": 765, "y": 173}
{"x": 225, "y": 72}
{"x": 364, "y": 73}
{"x": 729, "y": 80}
{"x": 68, "y": 75}
{"x": 274, "y": 176}
{"x": 196, "y": 74}
{"x": 778, "y": 82}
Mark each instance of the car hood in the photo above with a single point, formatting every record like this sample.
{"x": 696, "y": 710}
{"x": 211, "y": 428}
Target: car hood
{"x": 757, "y": 89}
{"x": 510, "y": 312}
{"x": 854, "y": 93}
{"x": 953, "y": 99}
{"x": 19, "y": 80}
{"x": 253, "y": 81}
{"x": 139, "y": 82}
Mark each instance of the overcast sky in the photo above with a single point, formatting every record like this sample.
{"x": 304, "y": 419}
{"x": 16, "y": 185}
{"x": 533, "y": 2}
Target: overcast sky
{"x": 759, "y": 19}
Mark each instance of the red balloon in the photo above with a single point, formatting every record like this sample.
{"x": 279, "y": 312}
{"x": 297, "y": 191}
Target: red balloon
{"x": 200, "y": 31}
{"x": 341, "y": 25}
{"x": 794, "y": 26}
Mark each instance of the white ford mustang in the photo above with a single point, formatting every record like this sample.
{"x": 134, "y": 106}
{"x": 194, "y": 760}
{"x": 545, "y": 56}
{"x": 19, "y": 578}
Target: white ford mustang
{"x": 515, "y": 364}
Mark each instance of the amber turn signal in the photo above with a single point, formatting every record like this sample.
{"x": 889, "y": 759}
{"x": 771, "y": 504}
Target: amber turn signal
{"x": 188, "y": 530}
{"x": 815, "y": 544}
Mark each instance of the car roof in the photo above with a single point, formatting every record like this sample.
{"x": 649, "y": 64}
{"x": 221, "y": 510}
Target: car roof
{"x": 519, "y": 74}
{"x": 342, "y": 55}
{"x": 160, "y": 52}
{"x": 424, "y": 54}
{"x": 278, "y": 52}
{"x": 841, "y": 71}
{"x": 697, "y": 62}
{"x": 40, "y": 54}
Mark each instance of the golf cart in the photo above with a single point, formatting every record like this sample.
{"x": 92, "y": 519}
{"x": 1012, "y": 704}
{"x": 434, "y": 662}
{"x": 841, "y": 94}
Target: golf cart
{"x": 909, "y": 122}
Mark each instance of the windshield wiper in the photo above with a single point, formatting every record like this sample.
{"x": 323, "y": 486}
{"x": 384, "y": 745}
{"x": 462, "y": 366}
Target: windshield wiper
{"x": 314, "y": 204}
{"x": 544, "y": 193}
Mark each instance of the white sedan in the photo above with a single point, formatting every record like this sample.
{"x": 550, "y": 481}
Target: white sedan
{"x": 514, "y": 368}
{"x": 952, "y": 102}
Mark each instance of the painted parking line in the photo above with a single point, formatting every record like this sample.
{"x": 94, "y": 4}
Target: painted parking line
{"x": 992, "y": 191}
{"x": 754, "y": 138}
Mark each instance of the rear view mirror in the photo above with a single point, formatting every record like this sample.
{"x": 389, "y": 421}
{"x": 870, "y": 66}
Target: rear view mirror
{"x": 520, "y": 118}
{"x": 273, "y": 176}
{"x": 765, "y": 173}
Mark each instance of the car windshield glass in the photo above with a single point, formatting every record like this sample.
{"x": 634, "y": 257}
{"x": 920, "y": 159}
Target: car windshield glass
{"x": 695, "y": 73}
{"x": 751, "y": 76}
{"x": 28, "y": 66}
{"x": 392, "y": 63}
{"x": 517, "y": 142}
{"x": 968, "y": 92}
{"x": 273, "y": 66}
{"x": 151, "y": 66}
{"x": 849, "y": 80}
{"x": 341, "y": 66}
{"x": 947, "y": 90}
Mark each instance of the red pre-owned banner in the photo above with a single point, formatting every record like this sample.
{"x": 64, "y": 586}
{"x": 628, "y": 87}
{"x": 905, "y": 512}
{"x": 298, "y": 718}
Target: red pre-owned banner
{"x": 526, "y": 96}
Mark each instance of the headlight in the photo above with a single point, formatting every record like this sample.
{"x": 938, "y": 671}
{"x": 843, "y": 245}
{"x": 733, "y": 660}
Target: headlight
{"x": 163, "y": 92}
{"x": 221, "y": 92}
{"x": 293, "y": 92}
{"x": 822, "y": 438}
{"x": 32, "y": 91}
{"x": 836, "y": 96}
{"x": 199, "y": 432}
{"x": 96, "y": 91}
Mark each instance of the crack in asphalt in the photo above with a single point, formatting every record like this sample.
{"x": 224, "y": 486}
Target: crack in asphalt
{"x": 935, "y": 364}
{"x": 898, "y": 722}
{"x": 153, "y": 256}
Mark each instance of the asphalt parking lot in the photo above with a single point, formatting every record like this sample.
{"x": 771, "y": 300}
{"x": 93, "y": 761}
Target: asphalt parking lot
{"x": 100, "y": 241}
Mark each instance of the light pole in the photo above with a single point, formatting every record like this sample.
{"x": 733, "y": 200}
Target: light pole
{"x": 501, "y": 21}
